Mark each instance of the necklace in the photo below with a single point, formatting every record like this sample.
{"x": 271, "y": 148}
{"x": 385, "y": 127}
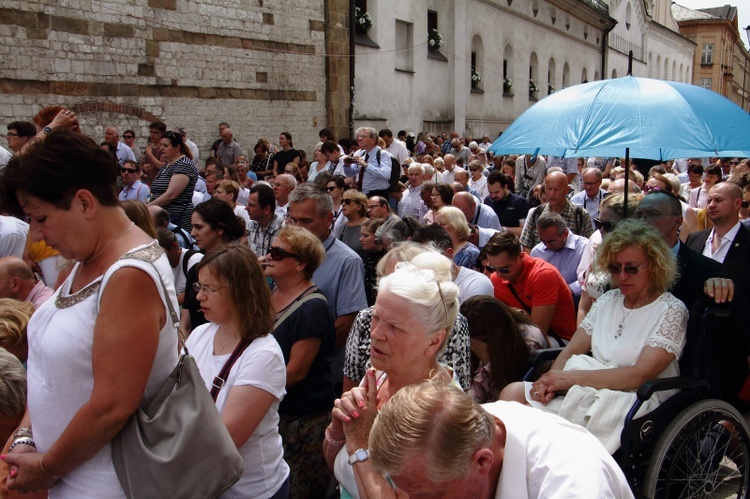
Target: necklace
{"x": 97, "y": 252}
{"x": 222, "y": 347}
{"x": 620, "y": 326}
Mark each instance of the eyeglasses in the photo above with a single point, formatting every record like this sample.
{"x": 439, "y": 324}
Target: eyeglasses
{"x": 277, "y": 253}
{"x": 615, "y": 269}
{"x": 198, "y": 287}
{"x": 734, "y": 162}
{"x": 607, "y": 226}
{"x": 501, "y": 270}
{"x": 128, "y": 170}
{"x": 373, "y": 206}
{"x": 11, "y": 134}
{"x": 331, "y": 189}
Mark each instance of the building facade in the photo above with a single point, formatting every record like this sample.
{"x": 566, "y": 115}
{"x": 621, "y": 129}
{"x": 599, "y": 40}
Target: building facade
{"x": 721, "y": 61}
{"x": 260, "y": 66}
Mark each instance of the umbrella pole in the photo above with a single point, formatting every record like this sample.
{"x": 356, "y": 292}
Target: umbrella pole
{"x": 627, "y": 181}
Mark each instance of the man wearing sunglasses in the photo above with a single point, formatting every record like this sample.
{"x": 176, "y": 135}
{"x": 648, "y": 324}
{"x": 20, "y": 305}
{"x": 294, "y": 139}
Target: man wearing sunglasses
{"x": 531, "y": 284}
{"x": 132, "y": 187}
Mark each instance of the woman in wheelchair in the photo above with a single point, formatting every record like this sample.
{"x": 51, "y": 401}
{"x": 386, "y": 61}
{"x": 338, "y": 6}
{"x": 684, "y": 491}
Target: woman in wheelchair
{"x": 633, "y": 333}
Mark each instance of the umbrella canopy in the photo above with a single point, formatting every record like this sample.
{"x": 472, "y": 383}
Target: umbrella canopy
{"x": 656, "y": 119}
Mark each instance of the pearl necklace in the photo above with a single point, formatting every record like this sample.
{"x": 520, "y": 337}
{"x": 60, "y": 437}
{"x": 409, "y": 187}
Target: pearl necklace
{"x": 620, "y": 326}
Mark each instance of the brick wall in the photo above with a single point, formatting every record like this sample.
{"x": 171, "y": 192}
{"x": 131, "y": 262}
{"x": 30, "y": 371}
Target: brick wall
{"x": 259, "y": 65}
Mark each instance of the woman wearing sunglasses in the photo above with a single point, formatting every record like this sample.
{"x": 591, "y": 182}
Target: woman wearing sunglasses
{"x": 234, "y": 297}
{"x": 304, "y": 329}
{"x": 354, "y": 208}
{"x": 634, "y": 333}
{"x": 335, "y": 188}
{"x": 595, "y": 282}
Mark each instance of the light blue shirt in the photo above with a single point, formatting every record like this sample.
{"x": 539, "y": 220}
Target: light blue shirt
{"x": 377, "y": 176}
{"x": 484, "y": 216}
{"x": 566, "y": 260}
{"x": 138, "y": 190}
{"x": 590, "y": 205}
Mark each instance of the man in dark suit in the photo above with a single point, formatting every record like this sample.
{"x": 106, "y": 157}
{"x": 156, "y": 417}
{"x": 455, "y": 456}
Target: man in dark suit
{"x": 728, "y": 242}
{"x": 702, "y": 281}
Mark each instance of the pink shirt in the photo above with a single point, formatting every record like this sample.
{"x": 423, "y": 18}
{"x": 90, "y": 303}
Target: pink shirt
{"x": 39, "y": 294}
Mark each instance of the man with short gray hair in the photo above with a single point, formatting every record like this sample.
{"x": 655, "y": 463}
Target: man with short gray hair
{"x": 124, "y": 153}
{"x": 561, "y": 248}
{"x": 370, "y": 165}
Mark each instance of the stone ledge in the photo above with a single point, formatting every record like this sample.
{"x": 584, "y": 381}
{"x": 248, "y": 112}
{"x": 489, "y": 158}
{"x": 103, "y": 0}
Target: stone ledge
{"x": 17, "y": 86}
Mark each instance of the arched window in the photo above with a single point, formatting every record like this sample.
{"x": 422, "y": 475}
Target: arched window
{"x": 551, "y": 77}
{"x": 566, "y": 76}
{"x": 477, "y": 63}
{"x": 508, "y": 70}
{"x": 533, "y": 76}
{"x": 584, "y": 76}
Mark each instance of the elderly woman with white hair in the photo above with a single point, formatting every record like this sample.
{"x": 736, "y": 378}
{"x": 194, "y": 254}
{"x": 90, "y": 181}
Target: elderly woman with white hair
{"x": 454, "y": 222}
{"x": 478, "y": 181}
{"x": 413, "y": 317}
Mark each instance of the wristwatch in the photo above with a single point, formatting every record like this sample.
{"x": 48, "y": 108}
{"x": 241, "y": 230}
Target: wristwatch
{"x": 47, "y": 130}
{"x": 359, "y": 456}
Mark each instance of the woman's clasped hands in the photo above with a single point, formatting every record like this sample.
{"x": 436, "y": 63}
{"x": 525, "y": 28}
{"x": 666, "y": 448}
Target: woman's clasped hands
{"x": 26, "y": 473}
{"x": 548, "y": 385}
{"x": 354, "y": 413}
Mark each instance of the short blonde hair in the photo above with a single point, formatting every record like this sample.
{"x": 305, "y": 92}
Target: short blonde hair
{"x": 358, "y": 198}
{"x": 660, "y": 259}
{"x": 14, "y": 317}
{"x": 12, "y": 386}
{"x": 306, "y": 246}
{"x": 230, "y": 187}
{"x": 402, "y": 251}
{"x": 435, "y": 422}
{"x": 456, "y": 219}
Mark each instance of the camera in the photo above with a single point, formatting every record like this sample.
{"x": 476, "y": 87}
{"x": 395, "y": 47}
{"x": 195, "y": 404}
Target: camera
{"x": 349, "y": 160}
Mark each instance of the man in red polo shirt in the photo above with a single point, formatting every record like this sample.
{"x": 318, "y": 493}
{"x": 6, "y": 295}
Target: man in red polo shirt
{"x": 530, "y": 284}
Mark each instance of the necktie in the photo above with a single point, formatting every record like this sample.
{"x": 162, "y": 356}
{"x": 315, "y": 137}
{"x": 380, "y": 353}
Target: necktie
{"x": 361, "y": 175}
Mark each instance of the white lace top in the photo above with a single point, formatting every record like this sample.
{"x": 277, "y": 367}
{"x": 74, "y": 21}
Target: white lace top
{"x": 660, "y": 324}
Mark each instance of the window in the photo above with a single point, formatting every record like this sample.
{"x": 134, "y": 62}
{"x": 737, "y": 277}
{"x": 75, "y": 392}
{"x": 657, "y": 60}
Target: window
{"x": 432, "y": 21}
{"x": 361, "y": 4}
{"x": 404, "y": 46}
{"x": 706, "y": 83}
{"x": 707, "y": 53}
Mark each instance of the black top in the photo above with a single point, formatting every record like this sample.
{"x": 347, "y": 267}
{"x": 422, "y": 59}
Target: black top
{"x": 181, "y": 208}
{"x": 510, "y": 209}
{"x": 283, "y": 157}
{"x": 190, "y": 301}
{"x": 315, "y": 393}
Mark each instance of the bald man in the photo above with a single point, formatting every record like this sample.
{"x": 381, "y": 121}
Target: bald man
{"x": 576, "y": 218}
{"x": 124, "y": 153}
{"x": 17, "y": 281}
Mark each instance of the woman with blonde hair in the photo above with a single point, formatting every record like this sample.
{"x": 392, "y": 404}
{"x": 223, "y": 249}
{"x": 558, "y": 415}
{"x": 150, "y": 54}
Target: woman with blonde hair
{"x": 14, "y": 317}
{"x": 305, "y": 331}
{"x": 634, "y": 333}
{"x": 454, "y": 222}
{"x": 137, "y": 212}
{"x": 354, "y": 208}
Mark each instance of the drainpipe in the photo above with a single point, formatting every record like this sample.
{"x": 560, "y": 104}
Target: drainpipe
{"x": 605, "y": 44}
{"x": 352, "y": 49}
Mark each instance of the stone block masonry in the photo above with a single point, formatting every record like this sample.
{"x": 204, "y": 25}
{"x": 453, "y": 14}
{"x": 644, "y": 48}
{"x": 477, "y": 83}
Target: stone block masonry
{"x": 257, "y": 65}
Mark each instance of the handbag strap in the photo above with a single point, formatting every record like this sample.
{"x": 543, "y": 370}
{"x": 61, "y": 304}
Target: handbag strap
{"x": 297, "y": 304}
{"x": 515, "y": 293}
{"x": 221, "y": 378}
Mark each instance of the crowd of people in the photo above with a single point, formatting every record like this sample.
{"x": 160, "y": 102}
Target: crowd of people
{"x": 379, "y": 303}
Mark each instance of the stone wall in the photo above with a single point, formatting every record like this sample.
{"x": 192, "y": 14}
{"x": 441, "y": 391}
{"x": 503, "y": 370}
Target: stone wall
{"x": 258, "y": 65}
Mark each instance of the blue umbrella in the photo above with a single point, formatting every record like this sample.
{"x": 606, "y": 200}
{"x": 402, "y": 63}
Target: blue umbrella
{"x": 655, "y": 119}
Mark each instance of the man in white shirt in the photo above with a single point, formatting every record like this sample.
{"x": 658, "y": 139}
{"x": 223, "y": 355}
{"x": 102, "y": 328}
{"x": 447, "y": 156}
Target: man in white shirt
{"x": 5, "y": 156}
{"x": 449, "y": 174}
{"x": 192, "y": 146}
{"x": 395, "y": 147}
{"x": 723, "y": 209}
{"x": 13, "y": 232}
{"x": 283, "y": 185}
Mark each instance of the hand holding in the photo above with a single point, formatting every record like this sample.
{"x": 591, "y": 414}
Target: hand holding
{"x": 721, "y": 290}
{"x": 25, "y": 471}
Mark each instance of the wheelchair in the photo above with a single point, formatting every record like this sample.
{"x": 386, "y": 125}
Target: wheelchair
{"x": 694, "y": 445}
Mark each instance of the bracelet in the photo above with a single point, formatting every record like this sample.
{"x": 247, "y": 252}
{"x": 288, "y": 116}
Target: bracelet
{"x": 41, "y": 466}
{"x": 23, "y": 432}
{"x": 21, "y": 441}
{"x": 331, "y": 441}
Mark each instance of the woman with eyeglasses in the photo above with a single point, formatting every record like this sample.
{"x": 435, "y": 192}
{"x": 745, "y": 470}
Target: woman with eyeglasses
{"x": 634, "y": 333}
{"x": 305, "y": 331}
{"x": 214, "y": 226}
{"x": 354, "y": 208}
{"x": 235, "y": 298}
{"x": 441, "y": 195}
{"x": 477, "y": 180}
{"x": 413, "y": 317}
{"x": 335, "y": 188}
{"x": 173, "y": 187}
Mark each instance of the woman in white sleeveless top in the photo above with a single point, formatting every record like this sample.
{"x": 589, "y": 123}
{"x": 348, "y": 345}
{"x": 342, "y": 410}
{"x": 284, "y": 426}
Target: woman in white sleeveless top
{"x": 103, "y": 344}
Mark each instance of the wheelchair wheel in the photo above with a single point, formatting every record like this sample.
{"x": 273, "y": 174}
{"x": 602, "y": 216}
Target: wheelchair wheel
{"x": 704, "y": 452}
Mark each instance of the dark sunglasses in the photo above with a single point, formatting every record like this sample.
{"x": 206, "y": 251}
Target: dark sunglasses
{"x": 277, "y": 253}
{"x": 127, "y": 136}
{"x": 746, "y": 204}
{"x": 331, "y": 189}
{"x": 501, "y": 270}
{"x": 129, "y": 170}
{"x": 615, "y": 269}
{"x": 607, "y": 226}
{"x": 348, "y": 201}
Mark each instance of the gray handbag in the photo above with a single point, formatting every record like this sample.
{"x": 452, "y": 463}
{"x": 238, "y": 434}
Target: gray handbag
{"x": 177, "y": 445}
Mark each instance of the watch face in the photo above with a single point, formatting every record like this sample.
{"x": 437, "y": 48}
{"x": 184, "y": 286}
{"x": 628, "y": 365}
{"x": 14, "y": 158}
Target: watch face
{"x": 361, "y": 454}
